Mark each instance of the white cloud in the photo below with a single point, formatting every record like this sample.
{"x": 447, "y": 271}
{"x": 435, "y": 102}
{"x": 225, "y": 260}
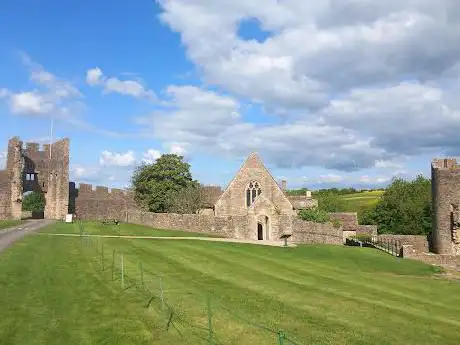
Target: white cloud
{"x": 193, "y": 115}
{"x": 51, "y": 96}
{"x": 117, "y": 159}
{"x": 178, "y": 150}
{"x": 133, "y": 88}
{"x": 30, "y": 103}
{"x": 150, "y": 156}
{"x": 317, "y": 47}
{"x": 384, "y": 164}
{"x": 80, "y": 172}
{"x": 94, "y": 76}
{"x": 338, "y": 72}
{"x": 330, "y": 178}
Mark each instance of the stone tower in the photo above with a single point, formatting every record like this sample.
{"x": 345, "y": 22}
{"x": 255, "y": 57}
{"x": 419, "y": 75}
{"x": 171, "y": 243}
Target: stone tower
{"x": 31, "y": 169}
{"x": 445, "y": 183}
{"x": 14, "y": 167}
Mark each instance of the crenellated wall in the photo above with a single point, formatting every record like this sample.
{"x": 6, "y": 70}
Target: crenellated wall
{"x": 101, "y": 203}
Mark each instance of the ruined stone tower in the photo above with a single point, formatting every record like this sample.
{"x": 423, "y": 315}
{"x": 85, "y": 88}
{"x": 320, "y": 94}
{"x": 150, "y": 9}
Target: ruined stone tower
{"x": 31, "y": 169}
{"x": 445, "y": 183}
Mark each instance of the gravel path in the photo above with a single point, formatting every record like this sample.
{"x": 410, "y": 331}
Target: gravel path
{"x": 212, "y": 239}
{"x": 10, "y": 235}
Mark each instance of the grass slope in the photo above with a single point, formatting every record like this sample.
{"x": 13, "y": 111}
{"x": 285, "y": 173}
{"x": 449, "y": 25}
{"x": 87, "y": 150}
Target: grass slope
{"x": 8, "y": 223}
{"x": 360, "y": 201}
{"x": 55, "y": 293}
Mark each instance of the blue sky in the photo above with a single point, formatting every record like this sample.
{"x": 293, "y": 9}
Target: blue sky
{"x": 321, "y": 91}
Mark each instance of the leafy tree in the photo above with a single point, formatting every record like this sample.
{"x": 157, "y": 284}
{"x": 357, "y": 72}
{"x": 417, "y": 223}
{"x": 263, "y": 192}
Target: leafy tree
{"x": 34, "y": 202}
{"x": 318, "y": 216}
{"x": 329, "y": 201}
{"x": 187, "y": 200}
{"x": 404, "y": 208}
{"x": 155, "y": 185}
{"x": 296, "y": 192}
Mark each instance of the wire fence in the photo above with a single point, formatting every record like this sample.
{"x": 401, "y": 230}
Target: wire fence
{"x": 178, "y": 314}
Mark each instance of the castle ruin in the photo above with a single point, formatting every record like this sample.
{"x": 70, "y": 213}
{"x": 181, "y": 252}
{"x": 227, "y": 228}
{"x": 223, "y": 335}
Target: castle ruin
{"x": 445, "y": 183}
{"x": 31, "y": 169}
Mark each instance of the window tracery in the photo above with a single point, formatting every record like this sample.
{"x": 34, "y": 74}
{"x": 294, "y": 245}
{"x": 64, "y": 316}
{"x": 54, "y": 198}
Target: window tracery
{"x": 252, "y": 191}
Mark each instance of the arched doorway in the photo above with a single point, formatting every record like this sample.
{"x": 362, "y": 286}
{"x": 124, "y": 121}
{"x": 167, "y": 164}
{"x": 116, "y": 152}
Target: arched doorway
{"x": 33, "y": 205}
{"x": 260, "y": 231}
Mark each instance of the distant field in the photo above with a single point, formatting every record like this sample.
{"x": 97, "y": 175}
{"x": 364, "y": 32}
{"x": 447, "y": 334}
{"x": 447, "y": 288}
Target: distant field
{"x": 359, "y": 201}
{"x": 53, "y": 291}
{"x": 8, "y": 223}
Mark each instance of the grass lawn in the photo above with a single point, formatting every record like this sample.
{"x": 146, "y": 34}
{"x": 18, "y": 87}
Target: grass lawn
{"x": 97, "y": 228}
{"x": 9, "y": 223}
{"x": 53, "y": 291}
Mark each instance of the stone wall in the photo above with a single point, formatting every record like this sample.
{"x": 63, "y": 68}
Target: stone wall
{"x": 234, "y": 227}
{"x": 311, "y": 232}
{"x": 418, "y": 242}
{"x": 443, "y": 260}
{"x": 302, "y": 202}
{"x": 366, "y": 230}
{"x": 350, "y": 226}
{"x": 349, "y": 220}
{"x": 100, "y": 203}
{"x": 445, "y": 182}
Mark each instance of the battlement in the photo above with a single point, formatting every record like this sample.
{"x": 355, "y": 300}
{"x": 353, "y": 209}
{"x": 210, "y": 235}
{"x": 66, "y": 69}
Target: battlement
{"x": 58, "y": 150}
{"x": 32, "y": 147}
{"x": 86, "y": 191}
{"x": 445, "y": 163}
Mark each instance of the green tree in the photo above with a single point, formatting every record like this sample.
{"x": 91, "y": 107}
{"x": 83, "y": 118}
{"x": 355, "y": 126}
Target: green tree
{"x": 404, "y": 208}
{"x": 329, "y": 200}
{"x": 187, "y": 200}
{"x": 34, "y": 202}
{"x": 156, "y": 185}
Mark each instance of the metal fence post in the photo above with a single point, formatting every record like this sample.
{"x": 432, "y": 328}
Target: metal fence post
{"x": 281, "y": 337}
{"x": 162, "y": 297}
{"x": 122, "y": 273}
{"x": 102, "y": 256}
{"x": 113, "y": 262}
{"x": 210, "y": 330}
{"x": 142, "y": 274}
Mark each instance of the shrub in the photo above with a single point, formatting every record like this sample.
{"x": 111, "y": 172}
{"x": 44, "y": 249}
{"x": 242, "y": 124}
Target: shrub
{"x": 336, "y": 223}
{"x": 319, "y": 216}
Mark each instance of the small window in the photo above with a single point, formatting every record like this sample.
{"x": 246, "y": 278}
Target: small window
{"x": 252, "y": 192}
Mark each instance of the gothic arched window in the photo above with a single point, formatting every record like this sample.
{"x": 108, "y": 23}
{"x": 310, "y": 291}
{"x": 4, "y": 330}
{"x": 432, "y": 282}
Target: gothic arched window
{"x": 253, "y": 190}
